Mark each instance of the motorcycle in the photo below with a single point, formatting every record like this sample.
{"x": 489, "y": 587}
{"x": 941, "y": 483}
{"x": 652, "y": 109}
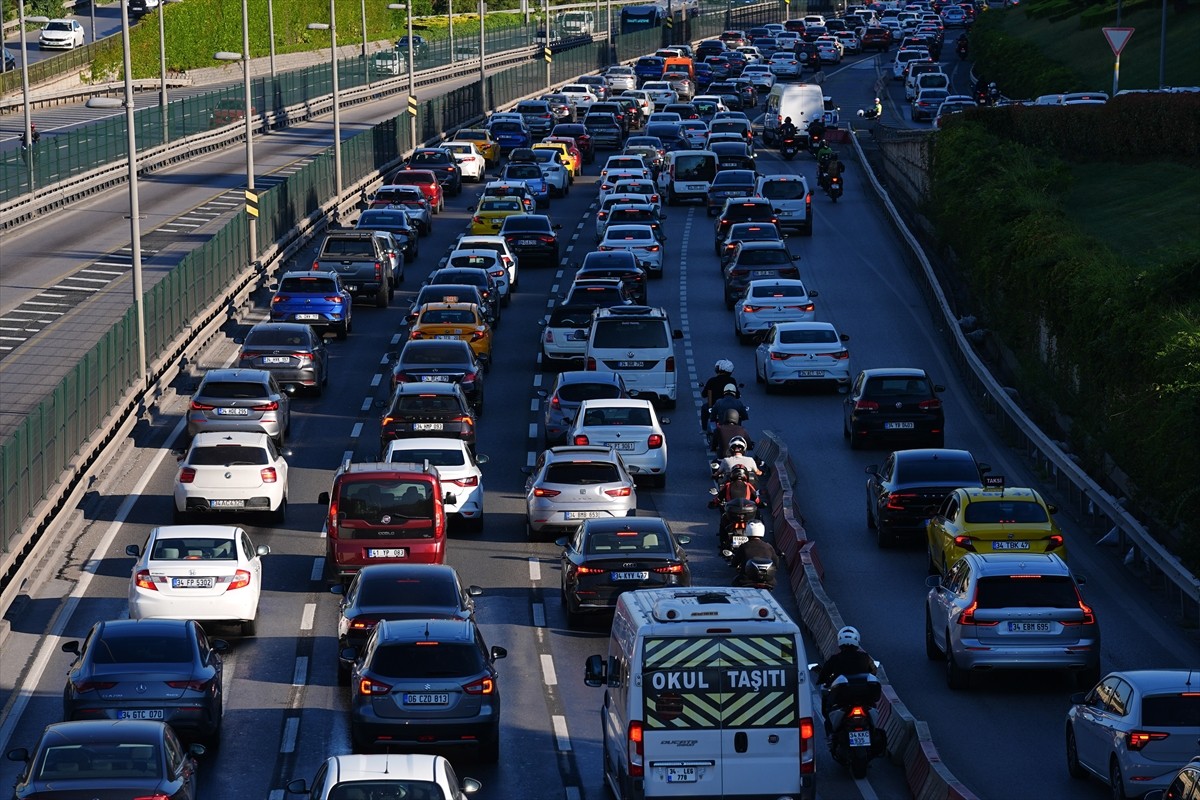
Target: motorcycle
{"x": 835, "y": 187}
{"x": 962, "y": 49}
{"x": 757, "y": 573}
{"x": 814, "y": 142}
{"x": 788, "y": 148}
{"x": 869, "y": 113}
{"x": 735, "y": 515}
{"x": 823, "y": 170}
{"x": 853, "y": 720}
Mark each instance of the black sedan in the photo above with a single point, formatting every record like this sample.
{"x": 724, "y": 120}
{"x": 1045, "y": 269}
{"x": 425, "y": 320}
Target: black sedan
{"x": 440, "y": 162}
{"x": 105, "y": 760}
{"x": 606, "y": 557}
{"x": 291, "y": 351}
{"x": 533, "y": 238}
{"x": 433, "y": 361}
{"x": 620, "y": 264}
{"x": 397, "y": 591}
{"x": 910, "y": 486}
{"x": 899, "y": 406}
{"x": 148, "y": 669}
{"x": 396, "y": 222}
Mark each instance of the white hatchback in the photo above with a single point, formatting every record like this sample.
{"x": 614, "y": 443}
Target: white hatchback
{"x": 784, "y": 65}
{"x": 231, "y": 471}
{"x": 209, "y": 573}
{"x": 458, "y": 469}
{"x": 500, "y": 245}
{"x": 470, "y": 161}
{"x": 794, "y": 353}
{"x": 768, "y": 302}
{"x": 639, "y": 240}
{"x": 631, "y": 428}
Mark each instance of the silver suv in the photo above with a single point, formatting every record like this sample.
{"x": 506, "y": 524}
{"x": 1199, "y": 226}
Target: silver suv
{"x": 790, "y": 197}
{"x": 240, "y": 400}
{"x": 1006, "y": 611}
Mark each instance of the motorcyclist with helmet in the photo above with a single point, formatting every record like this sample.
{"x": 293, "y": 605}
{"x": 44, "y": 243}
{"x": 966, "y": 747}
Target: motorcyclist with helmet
{"x": 756, "y": 549}
{"x": 788, "y": 129}
{"x": 728, "y": 400}
{"x": 726, "y": 430}
{"x": 737, "y": 458}
{"x": 738, "y": 487}
{"x": 714, "y": 387}
{"x": 816, "y": 129}
{"x": 825, "y": 156}
{"x": 850, "y": 659}
{"x": 877, "y": 108}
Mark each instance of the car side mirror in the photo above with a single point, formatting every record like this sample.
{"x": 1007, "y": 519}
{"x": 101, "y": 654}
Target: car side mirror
{"x": 498, "y": 653}
{"x": 1078, "y": 698}
{"x": 133, "y": 550}
{"x": 561, "y": 541}
{"x": 933, "y": 581}
{"x": 450, "y": 499}
{"x": 937, "y": 387}
{"x": 482, "y": 458}
{"x": 18, "y": 754}
{"x": 872, "y": 469}
{"x": 683, "y": 539}
{"x": 526, "y": 470}
{"x": 220, "y": 646}
{"x": 323, "y": 498}
{"x": 349, "y": 654}
{"x": 338, "y": 588}
{"x": 1081, "y": 580}
{"x": 71, "y": 647}
{"x": 595, "y": 672}
{"x": 196, "y": 750}
{"x": 298, "y": 786}
{"x": 845, "y": 337}
{"x": 262, "y": 550}
{"x": 984, "y": 469}
{"x": 556, "y": 227}
{"x": 676, "y": 334}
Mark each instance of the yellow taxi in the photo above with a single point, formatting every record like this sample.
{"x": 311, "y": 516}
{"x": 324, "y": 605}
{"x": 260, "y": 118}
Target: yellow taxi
{"x": 573, "y": 163}
{"x": 490, "y": 213}
{"x": 455, "y": 321}
{"x": 484, "y": 141}
{"x": 994, "y": 519}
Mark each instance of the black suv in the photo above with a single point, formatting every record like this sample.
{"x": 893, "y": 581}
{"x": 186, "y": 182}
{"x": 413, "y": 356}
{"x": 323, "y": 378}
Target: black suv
{"x": 532, "y": 237}
{"x": 420, "y": 409}
{"x": 744, "y": 209}
{"x": 471, "y": 276}
{"x": 752, "y": 261}
{"x": 433, "y": 361}
{"x": 440, "y": 162}
{"x": 911, "y": 486}
{"x": 620, "y": 264}
{"x": 898, "y": 405}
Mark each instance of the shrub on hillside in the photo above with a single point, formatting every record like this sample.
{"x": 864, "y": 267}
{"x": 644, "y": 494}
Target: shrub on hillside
{"x": 1021, "y": 68}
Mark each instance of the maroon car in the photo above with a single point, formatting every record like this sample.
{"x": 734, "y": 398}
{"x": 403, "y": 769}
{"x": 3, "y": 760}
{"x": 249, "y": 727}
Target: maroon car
{"x": 583, "y": 139}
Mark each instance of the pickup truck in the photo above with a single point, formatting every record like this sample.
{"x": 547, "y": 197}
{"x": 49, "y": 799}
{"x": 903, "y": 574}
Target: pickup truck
{"x": 361, "y": 261}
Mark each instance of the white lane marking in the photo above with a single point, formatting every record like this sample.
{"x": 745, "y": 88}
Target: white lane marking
{"x": 383, "y": 360}
{"x": 276, "y": 794}
{"x": 535, "y": 570}
{"x": 533, "y": 404}
{"x": 375, "y": 379}
{"x": 356, "y": 431}
{"x": 533, "y": 430}
{"x": 537, "y": 379}
{"x": 291, "y": 728}
{"x": 346, "y": 456}
{"x": 554, "y": 289}
{"x": 549, "y": 676}
{"x": 308, "y": 615}
{"x": 318, "y": 569}
{"x": 558, "y": 275}
{"x": 366, "y": 406}
{"x": 550, "y": 303}
{"x": 301, "y": 671}
{"x": 395, "y": 340}
{"x": 530, "y": 458}
{"x": 560, "y": 732}
{"x": 49, "y": 645}
{"x": 539, "y": 615}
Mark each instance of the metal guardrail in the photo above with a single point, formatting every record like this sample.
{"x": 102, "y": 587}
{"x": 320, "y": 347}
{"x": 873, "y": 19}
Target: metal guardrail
{"x": 1090, "y": 500}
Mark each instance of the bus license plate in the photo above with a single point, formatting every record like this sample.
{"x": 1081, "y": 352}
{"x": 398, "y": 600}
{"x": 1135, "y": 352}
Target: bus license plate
{"x": 681, "y": 775}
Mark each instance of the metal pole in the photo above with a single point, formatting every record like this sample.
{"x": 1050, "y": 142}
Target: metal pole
{"x": 162, "y": 70}
{"x": 366, "y": 69}
{"x": 252, "y": 227}
{"x": 412, "y": 78}
{"x": 450, "y": 20}
{"x": 337, "y": 112}
{"x": 1116, "y": 74}
{"x": 135, "y": 222}
{"x": 483, "y": 92}
{"x": 271, "y": 30}
{"x": 1162, "y": 50}
{"x": 546, "y": 9}
{"x": 92, "y": 12}
{"x": 28, "y": 140}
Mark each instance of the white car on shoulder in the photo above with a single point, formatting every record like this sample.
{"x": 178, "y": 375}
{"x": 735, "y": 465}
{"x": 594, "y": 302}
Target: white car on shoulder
{"x": 629, "y": 427}
{"x": 209, "y": 573}
{"x": 458, "y": 469}
{"x": 231, "y": 471}
{"x": 470, "y": 161}
{"x": 769, "y": 301}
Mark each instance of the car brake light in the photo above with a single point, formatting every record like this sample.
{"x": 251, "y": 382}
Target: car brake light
{"x": 369, "y": 687}
{"x": 540, "y": 492}
{"x": 1055, "y": 541}
{"x": 269, "y": 475}
{"x": 670, "y": 569}
{"x": 807, "y": 762}
{"x": 749, "y": 309}
{"x": 194, "y": 685}
{"x": 201, "y": 406}
{"x": 240, "y": 579}
{"x": 591, "y": 364}
{"x": 481, "y": 686}
{"x": 332, "y": 525}
{"x": 1089, "y": 617}
{"x": 654, "y": 441}
{"x": 363, "y": 624}
{"x": 967, "y": 617}
{"x": 965, "y": 542}
{"x": 1136, "y": 740}
{"x": 840, "y": 355}
{"x": 581, "y": 439}
{"x": 187, "y": 475}
{"x": 866, "y": 405}
{"x": 91, "y": 686}
{"x": 895, "y": 500}
{"x": 624, "y": 491}
{"x": 581, "y": 570}
{"x": 470, "y": 480}
{"x": 279, "y": 298}
{"x": 780, "y": 356}
{"x": 271, "y": 406}
{"x": 635, "y": 755}
{"x": 857, "y": 711}
{"x": 143, "y": 580}
{"x": 155, "y": 796}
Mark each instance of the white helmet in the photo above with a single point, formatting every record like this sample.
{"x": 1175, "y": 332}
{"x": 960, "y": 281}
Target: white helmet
{"x": 848, "y": 636}
{"x": 724, "y": 365}
{"x": 737, "y": 442}
{"x": 755, "y": 529}
{"x": 730, "y": 389}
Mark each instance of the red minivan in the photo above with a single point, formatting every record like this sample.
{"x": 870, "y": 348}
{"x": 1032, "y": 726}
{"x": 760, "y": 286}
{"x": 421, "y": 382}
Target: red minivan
{"x": 384, "y": 513}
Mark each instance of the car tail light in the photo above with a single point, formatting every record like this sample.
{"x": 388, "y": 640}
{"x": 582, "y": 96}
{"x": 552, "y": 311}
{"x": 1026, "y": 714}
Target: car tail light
{"x": 582, "y": 570}
{"x": 840, "y": 355}
{"x": 316, "y": 266}
{"x": 240, "y": 579}
{"x": 965, "y": 542}
{"x": 201, "y": 406}
{"x": 91, "y": 686}
{"x": 481, "y": 686}
{"x": 635, "y": 756}
{"x": 416, "y": 334}
{"x": 967, "y": 617}
{"x": 362, "y": 624}
{"x": 654, "y": 441}
{"x": 1055, "y": 541}
{"x": 624, "y": 491}
{"x": 194, "y": 685}
{"x": 581, "y": 439}
{"x": 670, "y": 569}
{"x": 1136, "y": 740}
{"x": 549, "y": 337}
{"x": 470, "y": 480}
{"x": 187, "y": 475}
{"x": 271, "y": 406}
{"x": 268, "y": 474}
{"x": 370, "y": 687}
{"x": 331, "y": 525}
{"x": 930, "y": 405}
{"x": 806, "y": 307}
{"x": 857, "y": 711}
{"x": 547, "y": 239}
{"x": 780, "y": 356}
{"x": 155, "y": 796}
{"x": 1089, "y": 617}
{"x": 866, "y": 405}
{"x": 895, "y": 500}
{"x": 143, "y": 580}
{"x": 807, "y": 762}
{"x": 540, "y": 492}
{"x": 477, "y": 220}
{"x": 476, "y": 336}
{"x": 279, "y": 298}
{"x": 591, "y": 364}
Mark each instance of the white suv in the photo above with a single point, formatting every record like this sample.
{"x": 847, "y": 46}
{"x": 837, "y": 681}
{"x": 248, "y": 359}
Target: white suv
{"x": 638, "y": 343}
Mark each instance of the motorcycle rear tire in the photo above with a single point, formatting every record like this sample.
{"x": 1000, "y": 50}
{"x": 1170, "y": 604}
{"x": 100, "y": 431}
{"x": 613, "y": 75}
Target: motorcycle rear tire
{"x": 858, "y": 765}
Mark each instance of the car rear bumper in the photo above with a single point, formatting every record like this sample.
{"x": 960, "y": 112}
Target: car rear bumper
{"x": 974, "y": 655}
{"x": 228, "y": 607}
{"x": 408, "y": 731}
{"x": 191, "y": 719}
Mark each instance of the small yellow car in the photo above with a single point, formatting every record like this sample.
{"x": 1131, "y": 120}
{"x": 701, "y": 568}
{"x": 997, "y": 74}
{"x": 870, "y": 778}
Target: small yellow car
{"x": 455, "y": 321}
{"x": 483, "y": 140}
{"x": 490, "y": 213}
{"x": 992, "y": 520}
{"x": 572, "y": 163}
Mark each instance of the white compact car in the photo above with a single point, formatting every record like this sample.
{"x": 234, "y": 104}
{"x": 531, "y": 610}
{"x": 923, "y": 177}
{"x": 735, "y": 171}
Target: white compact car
{"x": 768, "y": 302}
{"x": 631, "y": 428}
{"x": 458, "y": 469}
{"x": 209, "y": 573}
{"x": 639, "y": 240}
{"x": 385, "y": 775}
{"x": 620, "y": 78}
{"x": 760, "y": 75}
{"x": 784, "y": 65}
{"x": 661, "y": 93}
{"x": 483, "y": 241}
{"x": 607, "y": 203}
{"x": 794, "y": 353}
{"x": 61, "y": 34}
{"x": 470, "y": 161}
{"x": 232, "y": 471}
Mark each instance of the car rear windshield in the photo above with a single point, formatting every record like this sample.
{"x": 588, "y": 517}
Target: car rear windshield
{"x": 783, "y": 190}
{"x": 956, "y": 471}
{"x": 579, "y": 315}
{"x": 381, "y": 217}
{"x": 358, "y": 246}
{"x": 198, "y": 548}
{"x": 523, "y": 172}
{"x": 1024, "y": 591}
{"x": 271, "y": 337}
{"x": 578, "y": 392}
{"x": 391, "y": 787}
{"x": 475, "y": 260}
{"x": 630, "y": 333}
{"x": 128, "y": 646}
{"x": 763, "y": 257}
{"x": 760, "y": 211}
{"x": 437, "y": 456}
{"x": 526, "y": 223}
{"x": 227, "y": 455}
{"x": 1176, "y": 710}
{"x": 1000, "y": 512}
{"x": 471, "y": 277}
{"x": 434, "y": 353}
{"x": 804, "y": 336}
{"x": 407, "y": 591}
{"x": 425, "y": 404}
{"x": 233, "y": 390}
{"x": 626, "y": 542}
{"x": 500, "y": 205}
{"x": 448, "y": 316}
{"x": 507, "y": 127}
{"x": 617, "y": 415}
{"x": 633, "y": 215}
{"x": 371, "y": 500}
{"x": 448, "y": 294}
{"x": 777, "y": 291}
{"x": 898, "y": 389}
{"x": 582, "y": 473}
{"x": 428, "y": 157}
{"x": 421, "y": 660}
{"x": 308, "y": 286}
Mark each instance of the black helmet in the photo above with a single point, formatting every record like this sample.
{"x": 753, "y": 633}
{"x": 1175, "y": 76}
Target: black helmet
{"x": 739, "y": 473}
{"x": 732, "y": 416}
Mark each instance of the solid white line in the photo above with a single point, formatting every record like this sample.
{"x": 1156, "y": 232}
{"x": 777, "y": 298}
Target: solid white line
{"x": 49, "y": 645}
{"x": 366, "y": 406}
{"x": 356, "y": 431}
{"x": 291, "y": 727}
{"x": 560, "y": 732}
{"x": 375, "y": 379}
{"x": 539, "y": 615}
{"x": 533, "y": 430}
{"x": 307, "y": 616}
{"x": 535, "y": 570}
{"x": 318, "y": 569}
{"x": 301, "y": 671}
{"x": 549, "y": 676}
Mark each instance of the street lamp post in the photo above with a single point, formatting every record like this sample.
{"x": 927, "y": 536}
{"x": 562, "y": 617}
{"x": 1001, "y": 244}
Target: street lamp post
{"x": 337, "y": 116}
{"x": 366, "y": 69}
{"x": 252, "y": 202}
{"x": 22, "y": 19}
{"x": 271, "y": 31}
{"x": 162, "y": 66}
{"x": 483, "y": 92}
{"x": 450, "y": 24}
{"x": 412, "y": 84}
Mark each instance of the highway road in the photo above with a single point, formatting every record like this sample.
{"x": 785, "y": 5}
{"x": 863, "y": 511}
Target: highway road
{"x": 108, "y": 23}
{"x": 284, "y": 710}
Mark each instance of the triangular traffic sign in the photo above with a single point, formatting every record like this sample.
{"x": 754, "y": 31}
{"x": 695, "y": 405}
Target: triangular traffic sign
{"x": 1117, "y": 38}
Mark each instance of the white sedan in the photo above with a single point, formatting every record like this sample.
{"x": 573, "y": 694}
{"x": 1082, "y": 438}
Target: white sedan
{"x": 554, "y": 171}
{"x": 769, "y": 302}
{"x": 784, "y": 65}
{"x": 470, "y": 161}
{"x": 458, "y": 469}
{"x": 640, "y": 186}
{"x": 608, "y": 184}
{"x": 61, "y": 34}
{"x": 829, "y": 52}
{"x": 609, "y": 202}
{"x": 389, "y": 774}
{"x": 760, "y": 75}
{"x": 631, "y": 428}
{"x": 802, "y": 352}
{"x": 661, "y": 93}
{"x": 232, "y": 471}
{"x": 639, "y": 240}
{"x": 209, "y": 573}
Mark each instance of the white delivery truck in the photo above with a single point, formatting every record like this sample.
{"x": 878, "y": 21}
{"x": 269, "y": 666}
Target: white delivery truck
{"x": 705, "y": 695}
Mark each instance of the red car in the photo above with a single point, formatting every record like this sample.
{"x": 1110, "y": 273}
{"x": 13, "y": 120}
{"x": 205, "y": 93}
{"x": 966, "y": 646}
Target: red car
{"x": 426, "y": 181}
{"x": 877, "y": 38}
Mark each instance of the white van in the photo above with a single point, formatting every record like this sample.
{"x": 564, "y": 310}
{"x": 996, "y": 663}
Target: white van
{"x": 638, "y": 343}
{"x": 687, "y": 175}
{"x": 577, "y": 23}
{"x": 706, "y": 695}
{"x": 803, "y": 102}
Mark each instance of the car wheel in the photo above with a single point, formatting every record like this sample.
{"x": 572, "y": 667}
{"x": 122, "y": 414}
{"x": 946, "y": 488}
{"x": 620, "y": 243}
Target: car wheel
{"x": 279, "y": 515}
{"x": 530, "y": 536}
{"x": 343, "y": 674}
{"x": 870, "y": 517}
{"x": 249, "y": 627}
{"x": 856, "y": 441}
{"x": 742, "y": 338}
{"x": 1116, "y": 783}
{"x": 489, "y": 748}
{"x": 883, "y": 535}
{"x": 957, "y": 678}
{"x": 932, "y": 651}
{"x": 931, "y": 566}
{"x": 758, "y": 378}
{"x": 381, "y": 297}
{"x": 1074, "y": 768}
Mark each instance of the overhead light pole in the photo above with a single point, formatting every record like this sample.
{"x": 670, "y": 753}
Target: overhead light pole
{"x": 412, "y": 80}
{"x": 162, "y": 66}
{"x": 135, "y": 221}
{"x": 271, "y": 31}
{"x": 450, "y": 24}
{"x": 251, "y": 196}
{"x": 366, "y": 66}
{"x": 483, "y": 92}
{"x": 337, "y": 115}
{"x": 39, "y": 20}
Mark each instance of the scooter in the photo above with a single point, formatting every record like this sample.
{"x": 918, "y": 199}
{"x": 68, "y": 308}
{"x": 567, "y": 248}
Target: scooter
{"x": 735, "y": 514}
{"x": 835, "y": 187}
{"x": 962, "y": 49}
{"x": 757, "y": 573}
{"x": 788, "y": 148}
{"x": 869, "y": 113}
{"x": 853, "y": 721}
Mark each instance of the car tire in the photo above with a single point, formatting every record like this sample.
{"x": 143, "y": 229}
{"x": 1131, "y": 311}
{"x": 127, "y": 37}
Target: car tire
{"x": 279, "y": 515}
{"x": 343, "y": 332}
{"x": 743, "y": 338}
{"x": 931, "y": 565}
{"x": 856, "y": 441}
{"x": 382, "y": 297}
{"x": 1074, "y": 768}
{"x": 343, "y": 674}
{"x": 870, "y": 517}
{"x": 249, "y": 628}
{"x": 1116, "y": 783}
{"x": 489, "y": 748}
{"x": 957, "y": 678}
{"x": 932, "y": 651}
{"x": 530, "y": 536}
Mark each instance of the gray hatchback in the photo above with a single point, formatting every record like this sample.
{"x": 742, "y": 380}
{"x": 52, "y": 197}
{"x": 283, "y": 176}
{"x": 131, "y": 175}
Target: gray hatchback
{"x": 291, "y": 351}
{"x": 240, "y": 400}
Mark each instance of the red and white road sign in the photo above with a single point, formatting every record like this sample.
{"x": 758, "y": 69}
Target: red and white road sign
{"x": 1117, "y": 38}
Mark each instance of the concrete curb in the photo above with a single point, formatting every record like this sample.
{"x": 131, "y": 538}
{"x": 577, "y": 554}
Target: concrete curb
{"x": 909, "y": 742}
